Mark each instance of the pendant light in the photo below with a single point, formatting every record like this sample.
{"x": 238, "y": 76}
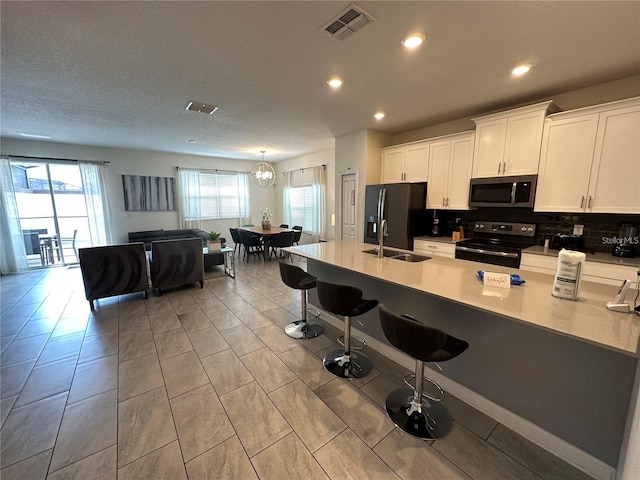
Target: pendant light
{"x": 264, "y": 173}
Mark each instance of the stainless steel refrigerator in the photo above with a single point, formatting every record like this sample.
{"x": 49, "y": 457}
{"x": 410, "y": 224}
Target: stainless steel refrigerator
{"x": 403, "y": 205}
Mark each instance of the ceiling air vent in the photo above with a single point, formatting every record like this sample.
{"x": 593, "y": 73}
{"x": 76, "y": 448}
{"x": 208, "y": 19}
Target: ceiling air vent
{"x": 201, "y": 107}
{"x": 348, "y": 21}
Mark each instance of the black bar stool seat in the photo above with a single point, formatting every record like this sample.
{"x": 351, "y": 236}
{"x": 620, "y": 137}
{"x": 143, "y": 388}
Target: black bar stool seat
{"x": 295, "y": 277}
{"x": 347, "y": 301}
{"x": 414, "y": 411}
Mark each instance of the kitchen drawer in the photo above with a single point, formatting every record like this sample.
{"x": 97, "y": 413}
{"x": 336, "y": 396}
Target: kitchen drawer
{"x": 598, "y": 272}
{"x": 434, "y": 248}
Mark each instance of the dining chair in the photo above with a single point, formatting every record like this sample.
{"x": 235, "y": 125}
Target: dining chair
{"x": 284, "y": 225}
{"x": 69, "y": 243}
{"x": 252, "y": 244}
{"x": 235, "y": 236}
{"x": 298, "y": 234}
{"x": 281, "y": 240}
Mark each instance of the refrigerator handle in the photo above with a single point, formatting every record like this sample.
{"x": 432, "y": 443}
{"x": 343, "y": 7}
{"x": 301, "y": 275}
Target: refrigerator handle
{"x": 379, "y": 204}
{"x": 384, "y": 199}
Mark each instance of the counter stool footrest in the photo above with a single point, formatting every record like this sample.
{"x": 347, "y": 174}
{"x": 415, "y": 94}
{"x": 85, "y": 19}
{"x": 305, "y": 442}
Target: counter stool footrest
{"x": 363, "y": 344}
{"x": 409, "y": 381}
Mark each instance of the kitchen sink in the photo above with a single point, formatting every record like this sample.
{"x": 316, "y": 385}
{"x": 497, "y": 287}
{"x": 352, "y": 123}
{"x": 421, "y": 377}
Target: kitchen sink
{"x": 396, "y": 255}
{"x": 410, "y": 257}
{"x": 385, "y": 252}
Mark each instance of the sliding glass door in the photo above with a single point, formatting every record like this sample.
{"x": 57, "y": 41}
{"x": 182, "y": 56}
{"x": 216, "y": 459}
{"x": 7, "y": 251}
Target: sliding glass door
{"x": 52, "y": 210}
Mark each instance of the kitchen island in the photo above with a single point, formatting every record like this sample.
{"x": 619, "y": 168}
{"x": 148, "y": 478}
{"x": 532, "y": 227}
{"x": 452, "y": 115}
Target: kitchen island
{"x": 546, "y": 365}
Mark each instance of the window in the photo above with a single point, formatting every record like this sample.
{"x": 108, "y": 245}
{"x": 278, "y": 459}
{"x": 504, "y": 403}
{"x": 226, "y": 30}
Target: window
{"x": 221, "y": 196}
{"x": 301, "y": 211}
{"x": 208, "y": 195}
{"x": 304, "y": 200}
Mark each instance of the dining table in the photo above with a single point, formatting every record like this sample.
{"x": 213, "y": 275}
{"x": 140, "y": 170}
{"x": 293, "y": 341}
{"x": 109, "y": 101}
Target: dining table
{"x": 48, "y": 241}
{"x": 266, "y": 236}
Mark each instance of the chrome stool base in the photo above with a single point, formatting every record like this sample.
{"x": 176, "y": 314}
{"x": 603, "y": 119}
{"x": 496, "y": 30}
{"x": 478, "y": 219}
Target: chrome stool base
{"x": 356, "y": 365}
{"x": 300, "y": 329}
{"x": 426, "y": 420}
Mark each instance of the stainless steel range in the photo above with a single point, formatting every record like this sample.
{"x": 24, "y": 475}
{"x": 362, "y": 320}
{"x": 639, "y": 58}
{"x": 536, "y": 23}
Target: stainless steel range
{"x": 498, "y": 243}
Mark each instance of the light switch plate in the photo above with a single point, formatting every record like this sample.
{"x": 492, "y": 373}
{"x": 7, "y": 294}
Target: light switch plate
{"x": 578, "y": 229}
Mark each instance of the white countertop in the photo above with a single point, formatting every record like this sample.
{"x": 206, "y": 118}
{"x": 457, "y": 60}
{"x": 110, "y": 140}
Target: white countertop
{"x": 456, "y": 280}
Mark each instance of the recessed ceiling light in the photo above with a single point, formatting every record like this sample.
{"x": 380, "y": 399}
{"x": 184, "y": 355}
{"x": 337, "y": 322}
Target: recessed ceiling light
{"x": 32, "y": 135}
{"x": 379, "y": 115}
{"x": 521, "y": 69}
{"x": 412, "y": 41}
{"x": 335, "y": 82}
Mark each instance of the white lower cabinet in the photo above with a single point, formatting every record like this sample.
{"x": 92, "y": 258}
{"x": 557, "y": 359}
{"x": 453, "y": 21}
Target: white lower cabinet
{"x": 590, "y": 160}
{"x": 440, "y": 249}
{"x": 606, "y": 273}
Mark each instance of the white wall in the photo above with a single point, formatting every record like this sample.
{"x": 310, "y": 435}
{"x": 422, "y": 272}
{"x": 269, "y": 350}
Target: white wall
{"x": 327, "y": 158}
{"x": 358, "y": 152}
{"x": 140, "y": 162}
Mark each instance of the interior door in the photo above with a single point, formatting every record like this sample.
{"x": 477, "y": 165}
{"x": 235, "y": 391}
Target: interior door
{"x": 349, "y": 207}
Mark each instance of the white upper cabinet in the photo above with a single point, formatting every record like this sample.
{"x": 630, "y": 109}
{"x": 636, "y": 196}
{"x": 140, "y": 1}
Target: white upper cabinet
{"x": 416, "y": 162}
{"x": 508, "y": 143}
{"x": 450, "y": 161}
{"x": 393, "y": 165}
{"x": 405, "y": 163}
{"x": 590, "y": 160}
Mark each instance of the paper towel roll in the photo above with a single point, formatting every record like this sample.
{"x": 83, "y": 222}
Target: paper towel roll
{"x": 567, "y": 280}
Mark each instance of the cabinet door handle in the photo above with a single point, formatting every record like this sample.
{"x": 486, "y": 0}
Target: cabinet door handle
{"x": 589, "y": 202}
{"x": 504, "y": 168}
{"x": 444, "y": 203}
{"x": 582, "y": 202}
{"x": 447, "y": 201}
{"x": 499, "y": 166}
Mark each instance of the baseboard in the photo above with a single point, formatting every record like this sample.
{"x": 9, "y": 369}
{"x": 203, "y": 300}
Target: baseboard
{"x": 532, "y": 432}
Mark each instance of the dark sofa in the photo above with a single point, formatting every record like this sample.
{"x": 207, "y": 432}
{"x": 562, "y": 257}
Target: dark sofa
{"x": 149, "y": 236}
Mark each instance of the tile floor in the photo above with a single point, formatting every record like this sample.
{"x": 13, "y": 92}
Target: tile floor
{"x": 204, "y": 384}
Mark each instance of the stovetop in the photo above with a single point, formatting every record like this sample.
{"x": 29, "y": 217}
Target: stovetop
{"x": 497, "y": 243}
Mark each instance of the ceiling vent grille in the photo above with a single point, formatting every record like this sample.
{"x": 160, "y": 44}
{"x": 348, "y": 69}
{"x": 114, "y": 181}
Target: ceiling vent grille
{"x": 201, "y": 107}
{"x": 348, "y": 21}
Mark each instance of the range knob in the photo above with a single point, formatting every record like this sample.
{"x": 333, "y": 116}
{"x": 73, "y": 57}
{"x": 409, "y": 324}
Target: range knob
{"x": 530, "y": 229}
{"x": 523, "y": 229}
{"x": 477, "y": 225}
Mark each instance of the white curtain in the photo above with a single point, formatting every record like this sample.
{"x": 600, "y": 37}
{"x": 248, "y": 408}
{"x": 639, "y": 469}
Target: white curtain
{"x": 319, "y": 200}
{"x": 189, "y": 198}
{"x": 243, "y": 197}
{"x": 13, "y": 257}
{"x": 94, "y": 184}
{"x": 286, "y": 207}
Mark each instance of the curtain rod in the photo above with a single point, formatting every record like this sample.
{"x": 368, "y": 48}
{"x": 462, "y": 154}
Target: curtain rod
{"x": 211, "y": 170}
{"x": 57, "y": 159}
{"x": 305, "y": 168}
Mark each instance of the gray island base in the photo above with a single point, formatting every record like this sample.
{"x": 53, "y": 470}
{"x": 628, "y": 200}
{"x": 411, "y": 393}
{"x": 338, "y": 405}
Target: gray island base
{"x": 575, "y": 389}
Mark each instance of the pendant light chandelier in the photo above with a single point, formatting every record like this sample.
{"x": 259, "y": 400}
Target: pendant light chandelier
{"x": 264, "y": 173}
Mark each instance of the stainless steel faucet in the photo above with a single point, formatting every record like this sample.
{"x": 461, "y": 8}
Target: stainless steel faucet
{"x": 382, "y": 232}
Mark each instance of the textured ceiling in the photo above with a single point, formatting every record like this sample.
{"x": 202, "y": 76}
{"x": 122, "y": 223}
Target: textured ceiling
{"x": 120, "y": 74}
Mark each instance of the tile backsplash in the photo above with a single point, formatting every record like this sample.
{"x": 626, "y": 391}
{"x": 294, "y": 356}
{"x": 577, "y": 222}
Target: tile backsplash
{"x": 596, "y": 226}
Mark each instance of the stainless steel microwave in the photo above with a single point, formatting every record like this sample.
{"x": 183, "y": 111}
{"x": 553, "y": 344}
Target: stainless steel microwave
{"x": 517, "y": 191}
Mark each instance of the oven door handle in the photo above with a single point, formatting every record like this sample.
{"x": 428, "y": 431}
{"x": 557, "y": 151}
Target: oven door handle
{"x": 488, "y": 252}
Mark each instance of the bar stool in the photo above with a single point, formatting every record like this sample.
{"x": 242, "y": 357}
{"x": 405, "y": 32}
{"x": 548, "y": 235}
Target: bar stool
{"x": 413, "y": 410}
{"x": 297, "y": 278}
{"x": 347, "y": 301}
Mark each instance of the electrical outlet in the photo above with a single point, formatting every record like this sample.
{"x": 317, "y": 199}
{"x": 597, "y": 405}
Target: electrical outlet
{"x": 578, "y": 229}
